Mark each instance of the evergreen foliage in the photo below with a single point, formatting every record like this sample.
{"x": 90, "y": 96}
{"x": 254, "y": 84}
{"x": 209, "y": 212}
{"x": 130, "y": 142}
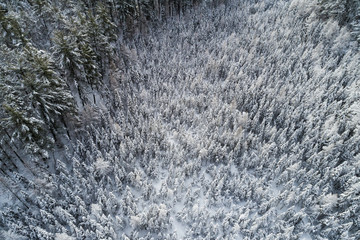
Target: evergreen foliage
{"x": 161, "y": 119}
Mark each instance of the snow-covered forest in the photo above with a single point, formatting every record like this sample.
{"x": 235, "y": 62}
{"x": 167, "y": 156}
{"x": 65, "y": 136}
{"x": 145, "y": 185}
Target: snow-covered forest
{"x": 188, "y": 119}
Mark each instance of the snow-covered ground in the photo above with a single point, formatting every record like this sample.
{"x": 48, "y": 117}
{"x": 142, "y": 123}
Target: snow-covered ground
{"x": 239, "y": 122}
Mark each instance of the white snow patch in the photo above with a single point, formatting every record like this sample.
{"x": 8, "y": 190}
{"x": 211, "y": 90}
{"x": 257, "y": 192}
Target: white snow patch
{"x": 305, "y": 236}
{"x": 276, "y": 190}
{"x": 63, "y": 236}
{"x": 179, "y": 228}
{"x": 96, "y": 209}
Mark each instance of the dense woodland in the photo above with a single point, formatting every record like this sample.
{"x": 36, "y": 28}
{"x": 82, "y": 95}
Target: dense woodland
{"x": 187, "y": 119}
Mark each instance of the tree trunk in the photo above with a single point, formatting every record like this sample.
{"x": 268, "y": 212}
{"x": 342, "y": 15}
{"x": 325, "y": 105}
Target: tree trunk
{"x": 10, "y": 190}
{"x": 20, "y": 158}
{"x": 167, "y": 8}
{"x": 8, "y": 157}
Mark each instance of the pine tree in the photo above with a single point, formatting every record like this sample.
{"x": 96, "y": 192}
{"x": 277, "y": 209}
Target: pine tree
{"x": 11, "y": 30}
{"x": 50, "y": 91}
{"x": 34, "y": 96}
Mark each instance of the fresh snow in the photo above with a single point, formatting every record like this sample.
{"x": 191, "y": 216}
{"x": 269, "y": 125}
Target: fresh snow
{"x": 235, "y": 122}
